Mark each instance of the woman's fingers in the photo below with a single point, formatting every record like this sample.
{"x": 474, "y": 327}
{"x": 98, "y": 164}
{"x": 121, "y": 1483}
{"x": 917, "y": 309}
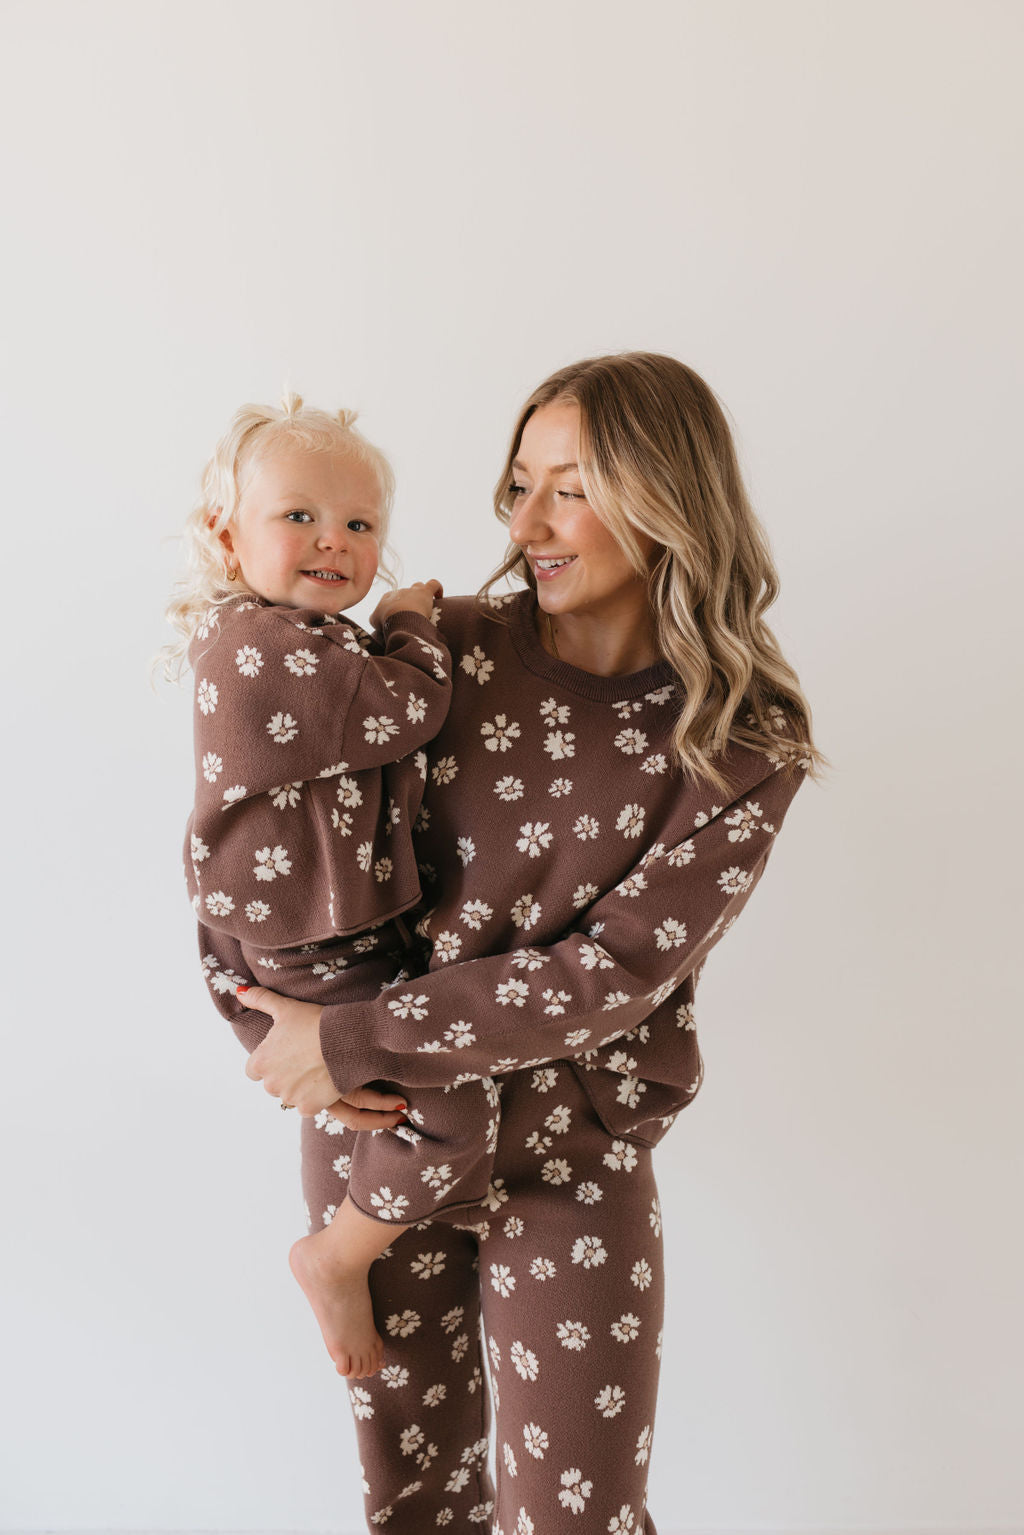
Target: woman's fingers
{"x": 369, "y": 1098}
{"x": 366, "y": 1109}
{"x": 260, "y": 998}
{"x": 263, "y": 1000}
{"x": 364, "y": 1119}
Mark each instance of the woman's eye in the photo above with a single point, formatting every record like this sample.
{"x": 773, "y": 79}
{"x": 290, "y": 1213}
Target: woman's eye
{"x": 568, "y": 495}
{"x": 298, "y": 516}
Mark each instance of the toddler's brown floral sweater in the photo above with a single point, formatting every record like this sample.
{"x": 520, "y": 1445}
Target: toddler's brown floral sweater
{"x": 309, "y": 770}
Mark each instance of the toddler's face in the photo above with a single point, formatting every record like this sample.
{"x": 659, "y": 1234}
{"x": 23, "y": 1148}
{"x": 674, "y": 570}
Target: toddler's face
{"x": 306, "y": 533}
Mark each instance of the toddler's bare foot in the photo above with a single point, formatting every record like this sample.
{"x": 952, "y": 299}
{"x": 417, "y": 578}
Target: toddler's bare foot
{"x": 340, "y": 1298}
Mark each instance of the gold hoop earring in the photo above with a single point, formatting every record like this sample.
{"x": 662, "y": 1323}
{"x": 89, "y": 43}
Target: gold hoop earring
{"x": 232, "y": 572}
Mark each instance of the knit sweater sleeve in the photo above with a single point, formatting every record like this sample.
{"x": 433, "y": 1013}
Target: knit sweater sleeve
{"x": 264, "y": 677}
{"x": 501, "y": 1013}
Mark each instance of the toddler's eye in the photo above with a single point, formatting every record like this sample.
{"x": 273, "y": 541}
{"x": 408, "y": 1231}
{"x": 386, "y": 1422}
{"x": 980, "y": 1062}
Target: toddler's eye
{"x": 298, "y": 516}
{"x": 358, "y": 525}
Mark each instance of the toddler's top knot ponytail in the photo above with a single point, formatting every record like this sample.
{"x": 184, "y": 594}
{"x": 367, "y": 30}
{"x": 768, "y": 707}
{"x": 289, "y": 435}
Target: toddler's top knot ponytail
{"x": 292, "y": 405}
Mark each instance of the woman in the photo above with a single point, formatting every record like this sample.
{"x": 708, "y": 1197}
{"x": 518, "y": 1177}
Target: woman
{"x": 623, "y": 743}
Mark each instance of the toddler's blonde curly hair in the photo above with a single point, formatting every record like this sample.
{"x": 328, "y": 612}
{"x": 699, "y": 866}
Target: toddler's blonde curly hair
{"x": 254, "y": 431}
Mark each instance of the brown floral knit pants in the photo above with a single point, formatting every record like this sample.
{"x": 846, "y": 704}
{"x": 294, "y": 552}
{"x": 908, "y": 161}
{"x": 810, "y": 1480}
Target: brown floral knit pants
{"x": 442, "y": 1157}
{"x": 559, "y": 1275}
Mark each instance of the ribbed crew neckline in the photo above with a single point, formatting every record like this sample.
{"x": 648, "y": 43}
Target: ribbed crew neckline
{"x": 522, "y": 611}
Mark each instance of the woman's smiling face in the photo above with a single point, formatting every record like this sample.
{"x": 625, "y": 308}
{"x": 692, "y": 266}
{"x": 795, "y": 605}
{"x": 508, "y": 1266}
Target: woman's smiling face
{"x": 580, "y": 567}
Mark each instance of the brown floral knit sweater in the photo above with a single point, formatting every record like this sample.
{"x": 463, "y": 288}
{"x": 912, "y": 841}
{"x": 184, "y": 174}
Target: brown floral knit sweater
{"x": 309, "y": 772}
{"x": 578, "y": 877}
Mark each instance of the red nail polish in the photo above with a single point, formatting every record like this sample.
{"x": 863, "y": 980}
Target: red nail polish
{"x": 401, "y": 1107}
{"x": 240, "y": 989}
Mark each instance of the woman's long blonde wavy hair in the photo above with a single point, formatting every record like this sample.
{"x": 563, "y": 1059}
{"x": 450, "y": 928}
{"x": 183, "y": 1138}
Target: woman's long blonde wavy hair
{"x": 657, "y": 458}
{"x": 254, "y": 431}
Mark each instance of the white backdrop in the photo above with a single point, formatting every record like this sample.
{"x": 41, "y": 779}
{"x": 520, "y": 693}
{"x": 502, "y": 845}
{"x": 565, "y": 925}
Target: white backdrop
{"x": 421, "y": 210}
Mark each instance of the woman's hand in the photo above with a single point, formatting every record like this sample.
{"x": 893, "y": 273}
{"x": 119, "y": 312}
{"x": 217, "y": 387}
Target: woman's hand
{"x": 365, "y": 1109}
{"x": 290, "y": 1065}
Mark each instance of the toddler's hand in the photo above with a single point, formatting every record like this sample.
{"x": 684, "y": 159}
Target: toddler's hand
{"x": 417, "y": 598}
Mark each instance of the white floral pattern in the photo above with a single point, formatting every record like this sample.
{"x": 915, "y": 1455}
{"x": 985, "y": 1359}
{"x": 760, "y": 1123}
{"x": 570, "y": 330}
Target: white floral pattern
{"x": 285, "y": 796}
{"x": 534, "y": 838}
{"x": 282, "y": 728}
{"x": 630, "y": 820}
{"x": 379, "y": 729}
{"x": 560, "y": 745}
{"x": 477, "y": 665}
{"x": 575, "y": 1491}
{"x": 573, "y": 1335}
{"x": 500, "y": 733}
{"x": 526, "y": 912}
{"x": 475, "y": 913}
{"x": 271, "y": 861}
{"x": 301, "y": 663}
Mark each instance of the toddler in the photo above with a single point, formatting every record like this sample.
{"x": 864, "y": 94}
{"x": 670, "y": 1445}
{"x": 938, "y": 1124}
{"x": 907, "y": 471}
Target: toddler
{"x": 310, "y": 768}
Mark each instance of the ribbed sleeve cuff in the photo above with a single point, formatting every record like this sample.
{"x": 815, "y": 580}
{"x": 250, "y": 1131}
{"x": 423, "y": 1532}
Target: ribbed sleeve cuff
{"x": 408, "y": 621}
{"x": 343, "y": 1031}
{"x": 350, "y": 1042}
